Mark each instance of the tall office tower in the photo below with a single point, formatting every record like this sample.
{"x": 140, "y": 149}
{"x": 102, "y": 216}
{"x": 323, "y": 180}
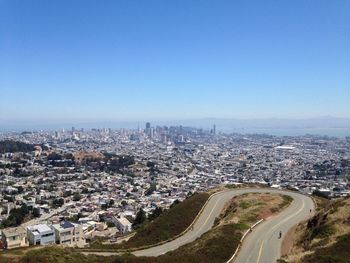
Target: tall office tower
{"x": 214, "y": 129}
{"x": 73, "y": 129}
{"x": 148, "y": 129}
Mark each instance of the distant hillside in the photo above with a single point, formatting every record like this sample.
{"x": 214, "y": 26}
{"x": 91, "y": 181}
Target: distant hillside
{"x": 9, "y": 146}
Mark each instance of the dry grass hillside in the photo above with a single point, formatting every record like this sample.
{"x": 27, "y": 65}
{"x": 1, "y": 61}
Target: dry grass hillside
{"x": 326, "y": 237}
{"x": 249, "y": 208}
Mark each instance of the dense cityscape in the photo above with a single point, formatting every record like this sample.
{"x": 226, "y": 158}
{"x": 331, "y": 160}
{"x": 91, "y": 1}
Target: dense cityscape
{"x": 69, "y": 187}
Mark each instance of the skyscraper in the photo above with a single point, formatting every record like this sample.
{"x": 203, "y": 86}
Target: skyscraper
{"x": 148, "y": 129}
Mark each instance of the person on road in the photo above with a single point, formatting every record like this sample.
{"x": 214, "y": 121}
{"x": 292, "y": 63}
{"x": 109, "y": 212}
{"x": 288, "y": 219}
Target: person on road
{"x": 280, "y": 234}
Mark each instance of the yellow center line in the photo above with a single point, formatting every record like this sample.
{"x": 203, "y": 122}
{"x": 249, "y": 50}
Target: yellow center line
{"x": 287, "y": 218}
{"x": 277, "y": 225}
{"x": 210, "y": 213}
{"x": 204, "y": 222}
{"x": 260, "y": 250}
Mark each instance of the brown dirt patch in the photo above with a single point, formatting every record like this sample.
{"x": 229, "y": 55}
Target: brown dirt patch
{"x": 265, "y": 213}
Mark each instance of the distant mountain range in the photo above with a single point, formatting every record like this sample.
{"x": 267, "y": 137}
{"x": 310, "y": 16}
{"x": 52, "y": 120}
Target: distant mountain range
{"x": 271, "y": 123}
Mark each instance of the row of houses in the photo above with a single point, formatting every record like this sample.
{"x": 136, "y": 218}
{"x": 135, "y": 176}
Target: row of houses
{"x": 64, "y": 233}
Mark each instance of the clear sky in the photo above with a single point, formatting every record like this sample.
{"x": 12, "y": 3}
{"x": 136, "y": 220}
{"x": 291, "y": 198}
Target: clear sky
{"x": 129, "y": 59}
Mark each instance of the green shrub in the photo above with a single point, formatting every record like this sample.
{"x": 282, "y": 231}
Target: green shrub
{"x": 245, "y": 204}
{"x": 323, "y": 231}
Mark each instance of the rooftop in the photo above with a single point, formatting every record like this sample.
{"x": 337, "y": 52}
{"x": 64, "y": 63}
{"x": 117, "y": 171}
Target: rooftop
{"x": 13, "y": 231}
{"x": 39, "y": 228}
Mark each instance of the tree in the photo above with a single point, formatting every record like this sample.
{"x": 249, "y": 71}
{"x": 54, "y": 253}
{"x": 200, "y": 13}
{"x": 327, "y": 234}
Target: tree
{"x": 58, "y": 202}
{"x": 110, "y": 224}
{"x": 36, "y": 212}
{"x": 54, "y": 157}
{"x": 24, "y": 209}
{"x": 151, "y": 164}
{"x": 140, "y": 218}
{"x": 16, "y": 216}
{"x": 9, "y": 198}
{"x": 156, "y": 213}
{"x": 20, "y": 189}
{"x": 76, "y": 197}
{"x": 75, "y": 218}
{"x": 15, "y": 146}
{"x": 151, "y": 189}
{"x": 320, "y": 194}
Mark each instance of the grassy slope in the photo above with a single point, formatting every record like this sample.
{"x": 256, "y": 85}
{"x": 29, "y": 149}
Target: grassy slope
{"x": 325, "y": 238}
{"x": 215, "y": 246}
{"x": 339, "y": 252}
{"x": 171, "y": 223}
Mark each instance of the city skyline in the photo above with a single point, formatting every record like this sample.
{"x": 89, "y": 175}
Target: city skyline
{"x": 167, "y": 60}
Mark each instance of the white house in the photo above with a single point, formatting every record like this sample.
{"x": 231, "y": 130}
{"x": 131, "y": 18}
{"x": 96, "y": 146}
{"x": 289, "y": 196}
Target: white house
{"x": 123, "y": 224}
{"x": 40, "y": 234}
{"x": 69, "y": 234}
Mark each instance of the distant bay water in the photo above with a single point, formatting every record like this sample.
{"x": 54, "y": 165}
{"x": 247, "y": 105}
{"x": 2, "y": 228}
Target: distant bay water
{"x": 332, "y": 132}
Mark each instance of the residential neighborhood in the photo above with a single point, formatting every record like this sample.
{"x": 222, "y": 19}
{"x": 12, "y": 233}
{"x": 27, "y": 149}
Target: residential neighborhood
{"x": 70, "y": 187}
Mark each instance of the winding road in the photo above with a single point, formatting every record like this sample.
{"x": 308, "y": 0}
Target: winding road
{"x": 261, "y": 246}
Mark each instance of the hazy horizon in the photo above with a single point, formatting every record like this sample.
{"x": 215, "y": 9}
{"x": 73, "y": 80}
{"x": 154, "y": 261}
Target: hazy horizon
{"x": 326, "y": 125}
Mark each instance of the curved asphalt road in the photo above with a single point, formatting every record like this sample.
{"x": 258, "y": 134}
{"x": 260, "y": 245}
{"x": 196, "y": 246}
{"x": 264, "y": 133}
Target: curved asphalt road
{"x": 261, "y": 246}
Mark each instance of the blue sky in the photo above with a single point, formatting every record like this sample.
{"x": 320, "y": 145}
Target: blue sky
{"x": 110, "y": 60}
